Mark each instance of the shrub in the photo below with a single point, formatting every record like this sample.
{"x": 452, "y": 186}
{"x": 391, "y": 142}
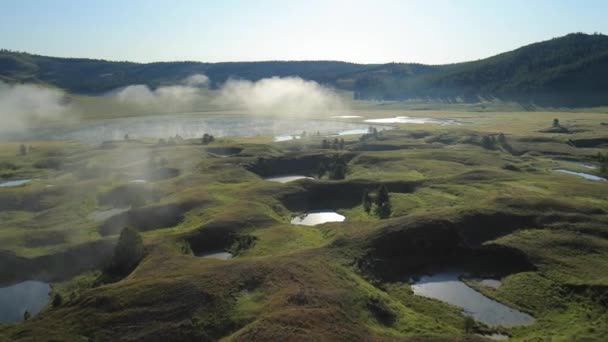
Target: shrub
{"x": 57, "y": 300}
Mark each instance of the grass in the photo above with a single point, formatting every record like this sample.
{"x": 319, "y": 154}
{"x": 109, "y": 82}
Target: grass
{"x": 299, "y": 282}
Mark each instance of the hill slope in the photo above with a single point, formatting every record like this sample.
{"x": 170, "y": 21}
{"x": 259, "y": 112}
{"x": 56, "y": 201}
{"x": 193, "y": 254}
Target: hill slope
{"x": 570, "y": 70}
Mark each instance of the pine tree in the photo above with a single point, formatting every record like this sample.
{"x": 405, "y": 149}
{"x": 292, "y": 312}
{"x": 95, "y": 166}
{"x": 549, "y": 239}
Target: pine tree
{"x": 367, "y": 202}
{"x": 383, "y": 203}
{"x": 128, "y": 251}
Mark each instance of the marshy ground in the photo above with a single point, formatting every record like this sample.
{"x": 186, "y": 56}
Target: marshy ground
{"x": 464, "y": 197}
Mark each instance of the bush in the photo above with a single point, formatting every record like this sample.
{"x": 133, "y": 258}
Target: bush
{"x": 383, "y": 313}
{"x": 57, "y": 300}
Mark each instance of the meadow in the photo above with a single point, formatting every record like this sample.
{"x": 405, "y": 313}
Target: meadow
{"x": 481, "y": 196}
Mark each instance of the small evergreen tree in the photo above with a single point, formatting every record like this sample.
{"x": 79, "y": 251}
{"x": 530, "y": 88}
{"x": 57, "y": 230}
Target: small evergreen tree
{"x": 26, "y": 315}
{"x": 341, "y": 144}
{"x": 383, "y": 202}
{"x": 487, "y": 142}
{"x": 207, "y": 139}
{"x": 128, "y": 251}
{"x": 469, "y": 324}
{"x": 22, "y": 150}
{"x": 555, "y": 122}
{"x": 367, "y": 202}
{"x": 57, "y": 300}
{"x": 338, "y": 170}
{"x": 334, "y": 144}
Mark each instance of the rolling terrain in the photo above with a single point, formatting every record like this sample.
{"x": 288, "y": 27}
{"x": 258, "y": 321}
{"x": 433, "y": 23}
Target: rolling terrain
{"x": 462, "y": 197}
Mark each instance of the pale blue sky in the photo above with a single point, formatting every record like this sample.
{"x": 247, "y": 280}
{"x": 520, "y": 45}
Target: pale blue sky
{"x": 376, "y": 31}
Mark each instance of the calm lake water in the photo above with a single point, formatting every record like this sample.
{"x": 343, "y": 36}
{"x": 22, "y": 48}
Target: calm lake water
{"x": 287, "y": 178}
{"x": 15, "y": 299}
{"x": 318, "y": 217}
{"x": 448, "y": 288}
{"x": 12, "y": 183}
{"x": 414, "y": 120}
{"x": 219, "y": 255}
{"x": 194, "y": 125}
{"x": 582, "y": 174}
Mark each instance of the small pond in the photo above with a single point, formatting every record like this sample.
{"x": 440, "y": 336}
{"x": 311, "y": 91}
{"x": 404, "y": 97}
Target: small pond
{"x": 15, "y": 299}
{"x": 138, "y": 181}
{"x": 448, "y": 288}
{"x": 219, "y": 255}
{"x": 12, "y": 183}
{"x": 347, "y": 116}
{"x": 582, "y": 174}
{"x": 414, "y": 120}
{"x": 287, "y": 178}
{"x": 318, "y": 217}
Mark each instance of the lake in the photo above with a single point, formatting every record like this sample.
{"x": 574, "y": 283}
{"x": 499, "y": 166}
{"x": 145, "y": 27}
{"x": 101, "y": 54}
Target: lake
{"x": 194, "y": 125}
{"x": 448, "y": 288}
{"x": 28, "y": 295}
{"x": 414, "y": 120}
{"x": 219, "y": 255}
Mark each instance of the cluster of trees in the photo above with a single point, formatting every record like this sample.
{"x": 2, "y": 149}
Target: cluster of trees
{"x": 336, "y": 168}
{"x": 23, "y": 150}
{"x": 372, "y": 134}
{"x": 491, "y": 142}
{"x": 171, "y": 140}
{"x": 207, "y": 139}
{"x": 336, "y": 144}
{"x": 382, "y": 202}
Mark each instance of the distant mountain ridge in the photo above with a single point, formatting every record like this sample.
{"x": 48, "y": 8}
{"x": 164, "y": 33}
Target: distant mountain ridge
{"x": 566, "y": 71}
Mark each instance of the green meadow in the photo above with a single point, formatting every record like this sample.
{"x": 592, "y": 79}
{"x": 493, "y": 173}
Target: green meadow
{"x": 482, "y": 196}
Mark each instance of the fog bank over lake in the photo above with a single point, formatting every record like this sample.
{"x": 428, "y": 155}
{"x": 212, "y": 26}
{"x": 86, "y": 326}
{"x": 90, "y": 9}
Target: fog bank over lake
{"x": 193, "y": 125}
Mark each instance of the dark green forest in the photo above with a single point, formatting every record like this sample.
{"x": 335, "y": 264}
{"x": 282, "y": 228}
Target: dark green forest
{"x": 568, "y": 71}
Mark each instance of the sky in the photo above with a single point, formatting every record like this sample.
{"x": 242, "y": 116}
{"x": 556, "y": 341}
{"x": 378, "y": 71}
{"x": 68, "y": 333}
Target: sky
{"x": 378, "y": 31}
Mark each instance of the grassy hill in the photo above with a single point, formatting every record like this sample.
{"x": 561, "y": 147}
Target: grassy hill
{"x": 566, "y": 71}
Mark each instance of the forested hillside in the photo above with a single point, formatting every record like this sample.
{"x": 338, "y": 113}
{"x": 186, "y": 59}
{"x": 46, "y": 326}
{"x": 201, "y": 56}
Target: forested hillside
{"x": 567, "y": 71}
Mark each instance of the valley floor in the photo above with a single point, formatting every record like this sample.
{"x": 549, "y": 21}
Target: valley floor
{"x": 482, "y": 197}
